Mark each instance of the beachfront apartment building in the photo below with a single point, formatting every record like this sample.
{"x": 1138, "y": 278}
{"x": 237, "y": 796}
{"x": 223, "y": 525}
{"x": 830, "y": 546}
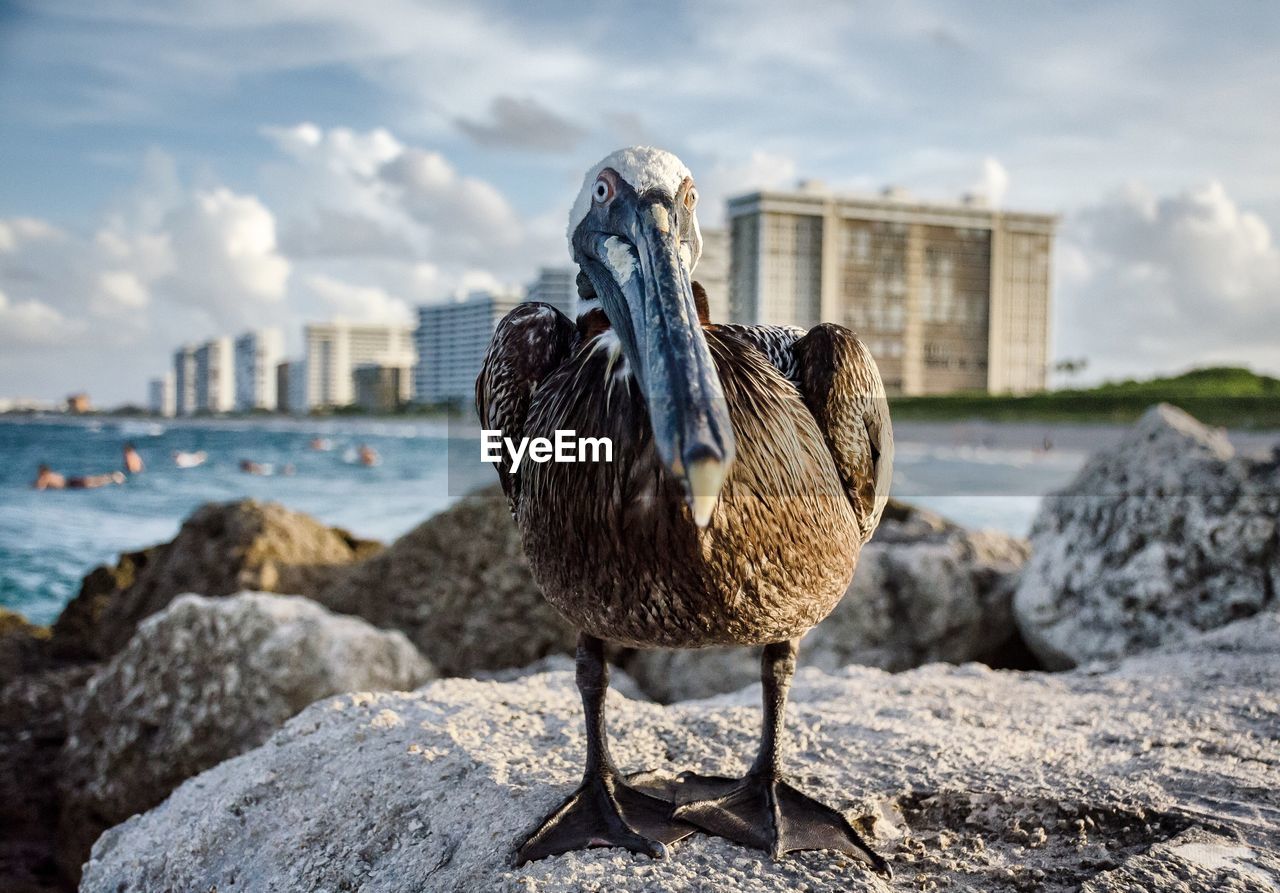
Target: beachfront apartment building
{"x": 161, "y": 396}
{"x": 335, "y": 349}
{"x": 215, "y": 377}
{"x": 452, "y": 338}
{"x": 557, "y": 286}
{"x": 380, "y": 388}
{"x": 947, "y": 297}
{"x": 184, "y": 380}
{"x": 291, "y": 386}
{"x": 257, "y": 353}
{"x": 712, "y": 272}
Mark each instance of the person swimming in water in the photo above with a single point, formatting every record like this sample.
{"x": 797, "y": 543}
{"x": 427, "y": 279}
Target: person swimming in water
{"x": 189, "y": 460}
{"x": 267, "y": 469}
{"x": 133, "y": 463}
{"x": 48, "y": 479}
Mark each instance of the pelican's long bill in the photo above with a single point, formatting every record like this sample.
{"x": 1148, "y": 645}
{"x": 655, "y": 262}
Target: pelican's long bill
{"x": 633, "y": 250}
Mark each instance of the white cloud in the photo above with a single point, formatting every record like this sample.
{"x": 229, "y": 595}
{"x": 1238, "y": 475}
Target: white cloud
{"x": 522, "y": 123}
{"x": 119, "y": 289}
{"x": 1165, "y": 282}
{"x": 370, "y": 227}
{"x": 347, "y": 194}
{"x": 330, "y": 197}
{"x": 212, "y": 257}
{"x": 358, "y": 303}
{"x": 994, "y": 182}
{"x": 726, "y": 177}
{"x": 54, "y": 280}
{"x": 33, "y": 322}
{"x": 461, "y": 214}
{"x": 19, "y": 231}
{"x": 224, "y": 256}
{"x": 751, "y": 94}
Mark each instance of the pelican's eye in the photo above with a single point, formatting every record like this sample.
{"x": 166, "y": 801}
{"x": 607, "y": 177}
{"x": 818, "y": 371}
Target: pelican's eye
{"x": 691, "y": 199}
{"x": 603, "y": 191}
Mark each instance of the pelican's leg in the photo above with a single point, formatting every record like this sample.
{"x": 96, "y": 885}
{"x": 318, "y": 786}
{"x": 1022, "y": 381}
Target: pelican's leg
{"x": 760, "y": 809}
{"x": 604, "y": 810}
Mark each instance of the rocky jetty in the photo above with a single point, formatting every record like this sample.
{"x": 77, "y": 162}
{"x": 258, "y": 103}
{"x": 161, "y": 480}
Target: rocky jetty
{"x": 1156, "y": 773}
{"x": 23, "y": 645}
{"x": 1166, "y": 535}
{"x": 200, "y": 682}
{"x": 925, "y": 590}
{"x": 221, "y": 549}
{"x": 459, "y": 587}
{"x": 1133, "y": 773}
{"x": 34, "y": 710}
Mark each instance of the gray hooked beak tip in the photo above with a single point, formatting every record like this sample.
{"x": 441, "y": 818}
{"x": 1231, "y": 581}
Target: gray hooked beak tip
{"x": 705, "y": 475}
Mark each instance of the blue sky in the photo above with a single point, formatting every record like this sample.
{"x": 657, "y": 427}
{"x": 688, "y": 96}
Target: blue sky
{"x": 182, "y": 169}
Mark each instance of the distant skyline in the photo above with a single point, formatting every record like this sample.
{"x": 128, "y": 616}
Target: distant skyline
{"x": 174, "y": 172}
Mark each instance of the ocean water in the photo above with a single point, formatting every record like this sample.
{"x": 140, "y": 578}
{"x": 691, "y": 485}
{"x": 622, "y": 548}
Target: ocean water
{"x": 50, "y": 539}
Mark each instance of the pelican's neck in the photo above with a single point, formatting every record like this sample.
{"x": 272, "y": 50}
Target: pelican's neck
{"x": 588, "y": 305}
{"x": 591, "y": 321}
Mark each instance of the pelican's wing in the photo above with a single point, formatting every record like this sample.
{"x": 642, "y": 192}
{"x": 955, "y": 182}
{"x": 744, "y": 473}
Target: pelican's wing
{"x": 841, "y": 385}
{"x": 775, "y": 342}
{"x": 528, "y": 345}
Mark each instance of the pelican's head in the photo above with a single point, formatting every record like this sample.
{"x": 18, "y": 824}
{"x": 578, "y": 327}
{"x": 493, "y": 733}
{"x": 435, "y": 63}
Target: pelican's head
{"x": 634, "y": 232}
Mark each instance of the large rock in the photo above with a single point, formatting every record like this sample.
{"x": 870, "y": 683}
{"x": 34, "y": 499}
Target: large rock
{"x": 35, "y": 694}
{"x": 459, "y": 587}
{"x": 202, "y": 681}
{"x": 23, "y": 646}
{"x": 222, "y": 548}
{"x": 1164, "y": 536}
{"x": 619, "y": 680}
{"x": 1158, "y": 774}
{"x": 925, "y": 590}
{"x": 33, "y": 728}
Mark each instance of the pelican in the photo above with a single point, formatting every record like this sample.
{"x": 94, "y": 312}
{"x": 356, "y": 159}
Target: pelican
{"x": 750, "y": 464}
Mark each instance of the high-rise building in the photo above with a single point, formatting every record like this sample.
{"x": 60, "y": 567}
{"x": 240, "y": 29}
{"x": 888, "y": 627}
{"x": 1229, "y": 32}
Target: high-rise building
{"x": 291, "y": 386}
{"x": 184, "y": 380}
{"x": 257, "y": 354}
{"x": 452, "y": 338}
{"x": 161, "y": 396}
{"x": 335, "y": 349}
{"x": 712, "y": 272}
{"x": 947, "y": 297}
{"x": 382, "y": 388}
{"x": 557, "y": 286}
{"x": 215, "y": 376}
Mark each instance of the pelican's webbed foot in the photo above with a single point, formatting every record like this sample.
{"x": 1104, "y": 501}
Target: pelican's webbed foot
{"x": 765, "y": 812}
{"x": 607, "y": 811}
{"x": 760, "y": 809}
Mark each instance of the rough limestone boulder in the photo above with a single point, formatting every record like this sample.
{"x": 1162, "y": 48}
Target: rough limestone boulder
{"x": 925, "y": 590}
{"x": 222, "y": 548}
{"x": 202, "y": 681}
{"x": 34, "y": 710}
{"x": 459, "y": 587}
{"x": 1165, "y": 535}
{"x": 1157, "y": 774}
{"x": 619, "y": 680}
{"x": 23, "y": 645}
